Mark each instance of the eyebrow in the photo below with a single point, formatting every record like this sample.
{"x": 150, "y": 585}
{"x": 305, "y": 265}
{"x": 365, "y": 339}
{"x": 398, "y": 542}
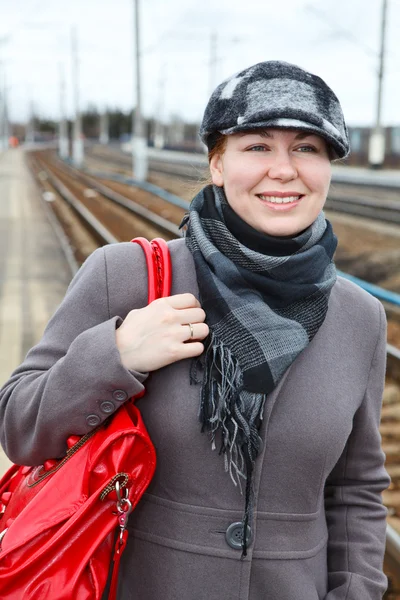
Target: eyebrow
{"x": 266, "y": 133}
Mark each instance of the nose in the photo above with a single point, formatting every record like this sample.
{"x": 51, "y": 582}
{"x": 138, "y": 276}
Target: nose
{"x": 282, "y": 167}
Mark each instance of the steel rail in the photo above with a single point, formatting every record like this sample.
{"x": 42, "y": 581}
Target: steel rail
{"x": 55, "y": 223}
{"x": 144, "y": 185}
{"x": 375, "y": 290}
{"x": 393, "y": 363}
{"x": 163, "y": 224}
{"x": 384, "y": 210}
{"x": 97, "y": 228}
{"x": 184, "y": 170}
{"x": 393, "y": 536}
{"x": 102, "y": 234}
{"x": 192, "y": 171}
{"x": 393, "y": 544}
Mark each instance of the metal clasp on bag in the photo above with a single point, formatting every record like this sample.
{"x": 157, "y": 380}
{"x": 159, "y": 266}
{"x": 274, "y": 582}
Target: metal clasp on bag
{"x": 124, "y": 508}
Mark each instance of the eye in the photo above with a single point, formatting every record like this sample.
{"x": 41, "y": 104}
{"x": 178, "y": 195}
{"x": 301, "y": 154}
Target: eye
{"x": 257, "y": 148}
{"x": 307, "y": 148}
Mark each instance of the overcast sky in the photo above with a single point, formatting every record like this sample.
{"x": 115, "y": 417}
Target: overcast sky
{"x": 336, "y": 39}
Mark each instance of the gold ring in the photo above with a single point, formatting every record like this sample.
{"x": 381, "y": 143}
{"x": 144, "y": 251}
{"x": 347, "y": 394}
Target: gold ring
{"x": 191, "y": 330}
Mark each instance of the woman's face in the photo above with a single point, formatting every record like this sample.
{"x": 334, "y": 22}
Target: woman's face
{"x": 276, "y": 180}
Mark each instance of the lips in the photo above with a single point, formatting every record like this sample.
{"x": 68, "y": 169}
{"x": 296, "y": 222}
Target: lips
{"x": 280, "y": 198}
{"x": 281, "y": 203}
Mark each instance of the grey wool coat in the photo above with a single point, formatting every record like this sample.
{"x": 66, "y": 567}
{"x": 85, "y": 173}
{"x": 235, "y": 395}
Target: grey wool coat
{"x": 319, "y": 524}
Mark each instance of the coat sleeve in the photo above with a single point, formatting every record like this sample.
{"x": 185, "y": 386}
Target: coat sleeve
{"x": 356, "y": 517}
{"x": 73, "y": 379}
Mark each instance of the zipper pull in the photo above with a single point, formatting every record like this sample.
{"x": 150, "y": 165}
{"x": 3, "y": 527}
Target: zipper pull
{"x": 124, "y": 508}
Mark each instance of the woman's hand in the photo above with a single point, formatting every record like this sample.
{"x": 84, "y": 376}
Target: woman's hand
{"x": 160, "y": 334}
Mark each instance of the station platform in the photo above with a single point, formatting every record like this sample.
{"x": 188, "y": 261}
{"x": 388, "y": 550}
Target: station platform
{"x": 34, "y": 273}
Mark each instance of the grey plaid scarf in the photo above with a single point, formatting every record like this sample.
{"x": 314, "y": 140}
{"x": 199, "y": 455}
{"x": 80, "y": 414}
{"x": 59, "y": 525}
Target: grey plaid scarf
{"x": 262, "y": 311}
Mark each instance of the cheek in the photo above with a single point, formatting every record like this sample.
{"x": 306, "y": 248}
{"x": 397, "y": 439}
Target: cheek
{"x": 325, "y": 188}
{"x": 320, "y": 178}
{"x": 232, "y": 178}
{"x": 241, "y": 177}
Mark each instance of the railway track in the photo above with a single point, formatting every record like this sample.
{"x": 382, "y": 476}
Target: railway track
{"x": 390, "y": 432}
{"x": 109, "y": 212}
{"x": 93, "y": 213}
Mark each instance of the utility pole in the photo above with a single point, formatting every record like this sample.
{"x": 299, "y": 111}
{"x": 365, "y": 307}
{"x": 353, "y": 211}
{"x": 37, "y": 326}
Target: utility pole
{"x": 104, "y": 128}
{"x": 30, "y": 126}
{"x": 63, "y": 146}
{"x": 159, "y": 127}
{"x": 77, "y": 142}
{"x": 2, "y": 113}
{"x": 3, "y": 110}
{"x": 213, "y": 61}
{"x": 6, "y": 121}
{"x": 139, "y": 142}
{"x": 376, "y": 154}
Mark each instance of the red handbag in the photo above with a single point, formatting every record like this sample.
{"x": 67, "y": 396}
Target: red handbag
{"x": 58, "y": 521}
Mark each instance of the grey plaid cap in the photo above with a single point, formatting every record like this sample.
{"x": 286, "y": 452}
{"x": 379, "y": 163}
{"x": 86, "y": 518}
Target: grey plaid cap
{"x": 275, "y": 94}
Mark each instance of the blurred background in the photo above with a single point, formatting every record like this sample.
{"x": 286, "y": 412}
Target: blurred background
{"x": 57, "y": 58}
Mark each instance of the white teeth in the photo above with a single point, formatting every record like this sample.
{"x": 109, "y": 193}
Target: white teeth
{"x": 277, "y": 200}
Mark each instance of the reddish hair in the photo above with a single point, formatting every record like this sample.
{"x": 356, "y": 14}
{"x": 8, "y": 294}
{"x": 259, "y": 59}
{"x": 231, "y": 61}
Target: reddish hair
{"x": 218, "y": 147}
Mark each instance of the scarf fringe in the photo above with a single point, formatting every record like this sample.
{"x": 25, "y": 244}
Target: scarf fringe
{"x": 228, "y": 411}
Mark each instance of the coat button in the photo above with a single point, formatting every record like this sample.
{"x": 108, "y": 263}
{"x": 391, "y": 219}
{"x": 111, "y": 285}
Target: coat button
{"x": 120, "y": 395}
{"x": 93, "y": 420}
{"x": 234, "y": 535}
{"x": 107, "y": 406}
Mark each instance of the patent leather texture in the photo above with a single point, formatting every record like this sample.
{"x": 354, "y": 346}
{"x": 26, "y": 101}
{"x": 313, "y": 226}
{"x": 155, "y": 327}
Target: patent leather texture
{"x": 62, "y": 523}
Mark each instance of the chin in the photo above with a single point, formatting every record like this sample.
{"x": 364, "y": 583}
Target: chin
{"x": 285, "y": 229}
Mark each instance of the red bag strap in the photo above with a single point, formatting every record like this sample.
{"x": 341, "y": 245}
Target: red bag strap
{"x": 159, "y": 268}
{"x": 119, "y": 548}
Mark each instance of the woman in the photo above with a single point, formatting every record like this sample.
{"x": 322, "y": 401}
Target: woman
{"x": 288, "y": 361}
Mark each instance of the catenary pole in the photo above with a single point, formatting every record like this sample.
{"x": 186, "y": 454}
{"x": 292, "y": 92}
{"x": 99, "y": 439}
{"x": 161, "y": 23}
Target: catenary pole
{"x": 2, "y": 102}
{"x": 139, "y": 143}
{"x": 104, "y": 127}
{"x": 63, "y": 146}
{"x": 77, "y": 142}
{"x": 159, "y": 128}
{"x": 30, "y": 126}
{"x": 213, "y": 62}
{"x": 2, "y": 113}
{"x": 6, "y": 122}
{"x": 376, "y": 153}
{"x": 381, "y": 63}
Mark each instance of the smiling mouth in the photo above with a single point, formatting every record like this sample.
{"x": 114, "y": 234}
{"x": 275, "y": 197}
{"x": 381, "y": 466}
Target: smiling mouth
{"x": 277, "y": 200}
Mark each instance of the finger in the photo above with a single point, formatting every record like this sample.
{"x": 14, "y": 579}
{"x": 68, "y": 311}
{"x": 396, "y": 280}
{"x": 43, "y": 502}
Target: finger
{"x": 193, "y": 331}
{"x": 181, "y": 301}
{"x": 191, "y": 315}
{"x": 191, "y": 350}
